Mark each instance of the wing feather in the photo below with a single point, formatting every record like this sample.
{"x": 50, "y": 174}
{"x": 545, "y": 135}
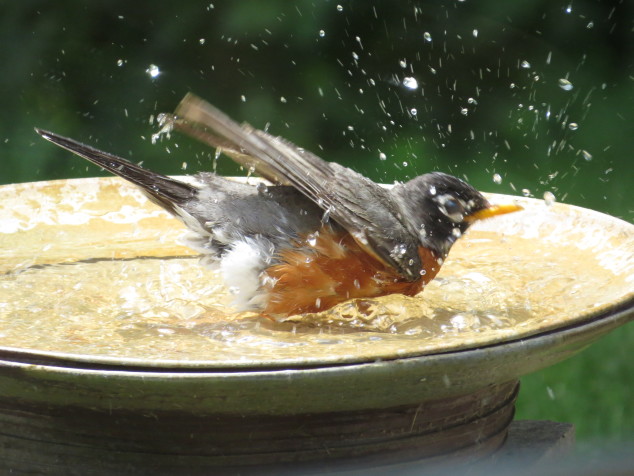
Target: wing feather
{"x": 366, "y": 210}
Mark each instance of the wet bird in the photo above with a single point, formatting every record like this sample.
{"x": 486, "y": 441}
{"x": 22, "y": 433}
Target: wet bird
{"x": 319, "y": 234}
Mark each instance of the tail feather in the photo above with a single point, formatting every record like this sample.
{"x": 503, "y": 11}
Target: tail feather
{"x": 165, "y": 191}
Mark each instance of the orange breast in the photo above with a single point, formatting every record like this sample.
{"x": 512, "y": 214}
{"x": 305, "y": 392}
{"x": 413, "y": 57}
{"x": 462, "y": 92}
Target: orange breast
{"x": 334, "y": 268}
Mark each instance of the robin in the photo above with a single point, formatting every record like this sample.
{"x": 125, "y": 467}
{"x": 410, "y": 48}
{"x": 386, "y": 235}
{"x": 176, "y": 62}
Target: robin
{"x": 320, "y": 234}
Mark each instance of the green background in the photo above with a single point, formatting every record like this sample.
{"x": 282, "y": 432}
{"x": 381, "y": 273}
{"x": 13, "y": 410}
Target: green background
{"x": 329, "y": 76}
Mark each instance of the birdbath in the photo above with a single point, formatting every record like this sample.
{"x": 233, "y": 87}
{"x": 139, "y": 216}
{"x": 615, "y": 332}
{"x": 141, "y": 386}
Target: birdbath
{"x": 119, "y": 351}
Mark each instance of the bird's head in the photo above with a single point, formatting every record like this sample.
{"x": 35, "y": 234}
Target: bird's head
{"x": 441, "y": 207}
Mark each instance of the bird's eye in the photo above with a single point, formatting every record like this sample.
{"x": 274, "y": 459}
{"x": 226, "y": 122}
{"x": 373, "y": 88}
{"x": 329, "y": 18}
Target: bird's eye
{"x": 452, "y": 207}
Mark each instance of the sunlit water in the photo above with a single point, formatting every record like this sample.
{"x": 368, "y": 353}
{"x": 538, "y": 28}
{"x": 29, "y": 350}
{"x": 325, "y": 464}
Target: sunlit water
{"x": 101, "y": 274}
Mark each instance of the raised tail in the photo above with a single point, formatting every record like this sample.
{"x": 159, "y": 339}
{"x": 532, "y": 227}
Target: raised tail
{"x": 162, "y": 190}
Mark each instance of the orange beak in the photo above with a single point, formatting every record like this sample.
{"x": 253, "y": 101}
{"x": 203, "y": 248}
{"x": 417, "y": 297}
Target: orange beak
{"x": 492, "y": 211}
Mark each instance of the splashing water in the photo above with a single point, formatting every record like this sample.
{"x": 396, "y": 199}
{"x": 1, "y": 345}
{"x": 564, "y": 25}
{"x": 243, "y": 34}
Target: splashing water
{"x": 410, "y": 82}
{"x": 166, "y": 123}
{"x": 160, "y": 304}
{"x": 565, "y": 84}
{"x": 153, "y": 71}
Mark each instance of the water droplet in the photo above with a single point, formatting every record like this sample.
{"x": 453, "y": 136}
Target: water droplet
{"x": 526, "y": 192}
{"x": 283, "y": 100}
{"x": 410, "y": 83}
{"x": 456, "y": 232}
{"x": 403, "y": 64}
{"x": 243, "y": 98}
{"x": 167, "y": 124}
{"x": 590, "y": 25}
{"x": 549, "y": 198}
{"x": 464, "y": 111}
{"x": 568, "y": 9}
{"x": 184, "y": 166}
{"x": 459, "y": 321}
{"x": 382, "y": 156}
{"x": 427, "y": 36}
{"x": 475, "y": 33}
{"x": 201, "y": 41}
{"x": 153, "y": 71}
{"x": 573, "y": 126}
{"x": 311, "y": 239}
{"x": 322, "y": 33}
{"x": 399, "y": 251}
{"x": 413, "y": 111}
{"x": 497, "y": 178}
{"x": 565, "y": 84}
{"x": 326, "y": 216}
{"x": 339, "y": 8}
{"x": 472, "y": 101}
{"x": 261, "y": 187}
{"x": 525, "y": 64}
{"x": 586, "y": 155}
{"x": 355, "y": 56}
{"x": 120, "y": 62}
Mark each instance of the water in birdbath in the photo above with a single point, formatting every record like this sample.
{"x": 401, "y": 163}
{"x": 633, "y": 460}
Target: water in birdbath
{"x": 90, "y": 267}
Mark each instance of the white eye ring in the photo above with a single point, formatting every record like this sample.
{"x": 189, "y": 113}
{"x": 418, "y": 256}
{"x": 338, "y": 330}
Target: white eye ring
{"x": 452, "y": 207}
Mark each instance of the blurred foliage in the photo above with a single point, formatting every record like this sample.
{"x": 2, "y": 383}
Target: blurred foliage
{"x": 330, "y": 77}
{"x": 593, "y": 390}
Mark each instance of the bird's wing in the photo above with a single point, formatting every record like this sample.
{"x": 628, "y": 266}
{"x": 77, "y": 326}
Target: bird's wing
{"x": 363, "y": 208}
